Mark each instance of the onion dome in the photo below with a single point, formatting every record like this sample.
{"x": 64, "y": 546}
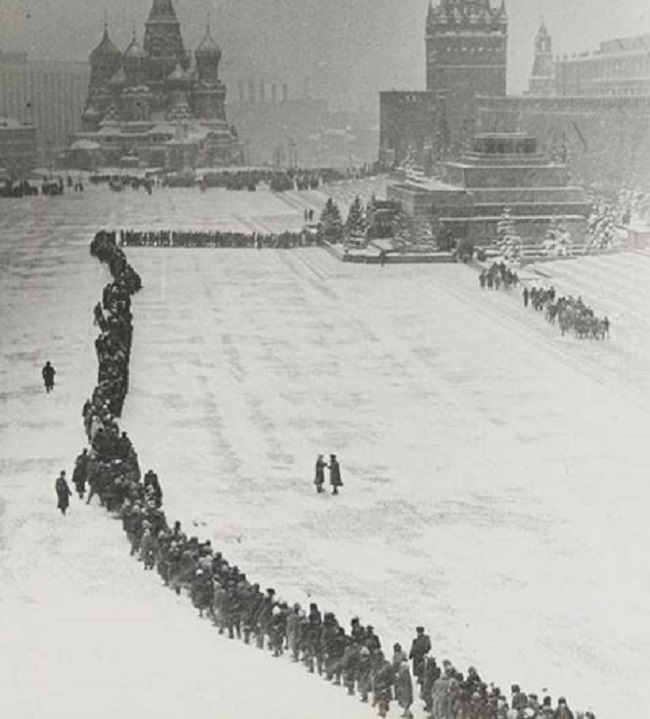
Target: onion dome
{"x": 208, "y": 48}
{"x": 105, "y": 50}
{"x": 134, "y": 52}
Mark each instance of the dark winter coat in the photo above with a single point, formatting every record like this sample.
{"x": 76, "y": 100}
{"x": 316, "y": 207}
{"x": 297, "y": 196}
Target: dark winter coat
{"x": 335, "y": 473}
{"x": 404, "y": 687}
{"x": 80, "y": 468}
{"x": 319, "y": 477}
{"x": 63, "y": 493}
{"x": 48, "y": 373}
{"x": 419, "y": 648}
{"x": 384, "y": 680}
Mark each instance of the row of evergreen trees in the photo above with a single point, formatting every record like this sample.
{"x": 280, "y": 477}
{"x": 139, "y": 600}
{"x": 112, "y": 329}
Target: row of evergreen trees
{"x": 333, "y": 229}
{"x": 407, "y": 232}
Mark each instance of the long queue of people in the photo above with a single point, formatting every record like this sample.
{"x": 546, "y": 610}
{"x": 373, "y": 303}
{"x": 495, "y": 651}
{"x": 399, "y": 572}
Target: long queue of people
{"x": 49, "y": 187}
{"x": 569, "y": 313}
{"x": 216, "y": 239}
{"x": 248, "y": 179}
{"x": 230, "y": 601}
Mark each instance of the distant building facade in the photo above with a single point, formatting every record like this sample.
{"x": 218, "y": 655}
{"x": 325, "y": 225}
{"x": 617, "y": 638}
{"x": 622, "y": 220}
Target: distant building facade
{"x": 466, "y": 55}
{"x": 18, "y": 148}
{"x": 591, "y": 110}
{"x": 152, "y": 106}
{"x": 50, "y": 96}
{"x": 617, "y": 67}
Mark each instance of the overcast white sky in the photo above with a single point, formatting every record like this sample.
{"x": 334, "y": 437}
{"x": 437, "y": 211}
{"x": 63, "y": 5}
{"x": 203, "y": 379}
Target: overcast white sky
{"x": 349, "y": 48}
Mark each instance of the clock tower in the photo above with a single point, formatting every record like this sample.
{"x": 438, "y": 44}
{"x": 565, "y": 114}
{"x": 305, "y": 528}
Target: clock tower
{"x": 466, "y": 49}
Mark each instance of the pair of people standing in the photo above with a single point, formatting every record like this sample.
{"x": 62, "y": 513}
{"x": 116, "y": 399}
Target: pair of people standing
{"x": 335, "y": 474}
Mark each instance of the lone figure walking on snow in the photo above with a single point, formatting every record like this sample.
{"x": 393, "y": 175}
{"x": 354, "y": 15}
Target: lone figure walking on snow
{"x": 63, "y": 493}
{"x": 48, "y": 373}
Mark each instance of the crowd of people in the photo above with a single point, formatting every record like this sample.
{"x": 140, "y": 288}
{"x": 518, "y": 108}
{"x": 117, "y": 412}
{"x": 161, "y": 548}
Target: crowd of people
{"x": 183, "y": 238}
{"x": 352, "y": 657}
{"x": 244, "y": 179}
{"x": 24, "y": 188}
{"x": 569, "y": 313}
{"x": 498, "y": 275}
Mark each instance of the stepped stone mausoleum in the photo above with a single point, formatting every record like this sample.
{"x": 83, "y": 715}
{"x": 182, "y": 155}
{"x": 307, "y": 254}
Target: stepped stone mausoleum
{"x": 153, "y": 105}
{"x": 502, "y": 172}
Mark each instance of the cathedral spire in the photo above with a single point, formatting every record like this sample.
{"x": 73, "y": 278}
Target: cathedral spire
{"x": 163, "y": 42}
{"x": 162, "y": 11}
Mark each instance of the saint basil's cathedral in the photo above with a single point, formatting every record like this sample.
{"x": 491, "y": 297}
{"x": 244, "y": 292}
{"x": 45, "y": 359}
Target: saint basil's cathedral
{"x": 149, "y": 106}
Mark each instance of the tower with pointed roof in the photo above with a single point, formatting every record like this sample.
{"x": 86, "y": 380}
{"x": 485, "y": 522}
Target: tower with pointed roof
{"x": 466, "y": 56}
{"x": 542, "y": 78}
{"x": 105, "y": 61}
{"x": 210, "y": 94}
{"x": 163, "y": 41}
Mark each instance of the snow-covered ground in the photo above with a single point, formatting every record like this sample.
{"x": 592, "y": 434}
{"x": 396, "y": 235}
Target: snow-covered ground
{"x": 495, "y": 473}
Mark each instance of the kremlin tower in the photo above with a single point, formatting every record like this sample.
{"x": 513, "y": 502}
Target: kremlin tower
{"x": 542, "y": 78}
{"x": 466, "y": 56}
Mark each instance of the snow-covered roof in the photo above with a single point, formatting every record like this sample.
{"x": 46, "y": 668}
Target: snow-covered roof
{"x": 85, "y": 145}
{"x": 9, "y": 122}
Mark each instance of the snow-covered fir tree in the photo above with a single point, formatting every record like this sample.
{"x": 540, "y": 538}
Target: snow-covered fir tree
{"x": 509, "y": 243}
{"x": 356, "y": 223}
{"x": 331, "y": 222}
{"x": 558, "y": 241}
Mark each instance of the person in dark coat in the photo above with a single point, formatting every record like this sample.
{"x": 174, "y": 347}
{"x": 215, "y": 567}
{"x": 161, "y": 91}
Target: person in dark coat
{"x": 335, "y": 474}
{"x": 404, "y": 689}
{"x": 431, "y": 673}
{"x": 48, "y": 373}
{"x": 420, "y": 646}
{"x": 319, "y": 478}
{"x": 79, "y": 473}
{"x": 384, "y": 678}
{"x": 152, "y": 484}
{"x": 63, "y": 493}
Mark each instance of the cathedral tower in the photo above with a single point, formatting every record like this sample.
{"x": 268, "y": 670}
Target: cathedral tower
{"x": 210, "y": 94}
{"x": 163, "y": 42}
{"x": 105, "y": 62}
{"x": 466, "y": 50}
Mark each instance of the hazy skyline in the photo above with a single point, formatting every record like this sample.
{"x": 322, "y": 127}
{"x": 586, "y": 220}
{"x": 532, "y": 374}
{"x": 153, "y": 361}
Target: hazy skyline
{"x": 350, "y": 49}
